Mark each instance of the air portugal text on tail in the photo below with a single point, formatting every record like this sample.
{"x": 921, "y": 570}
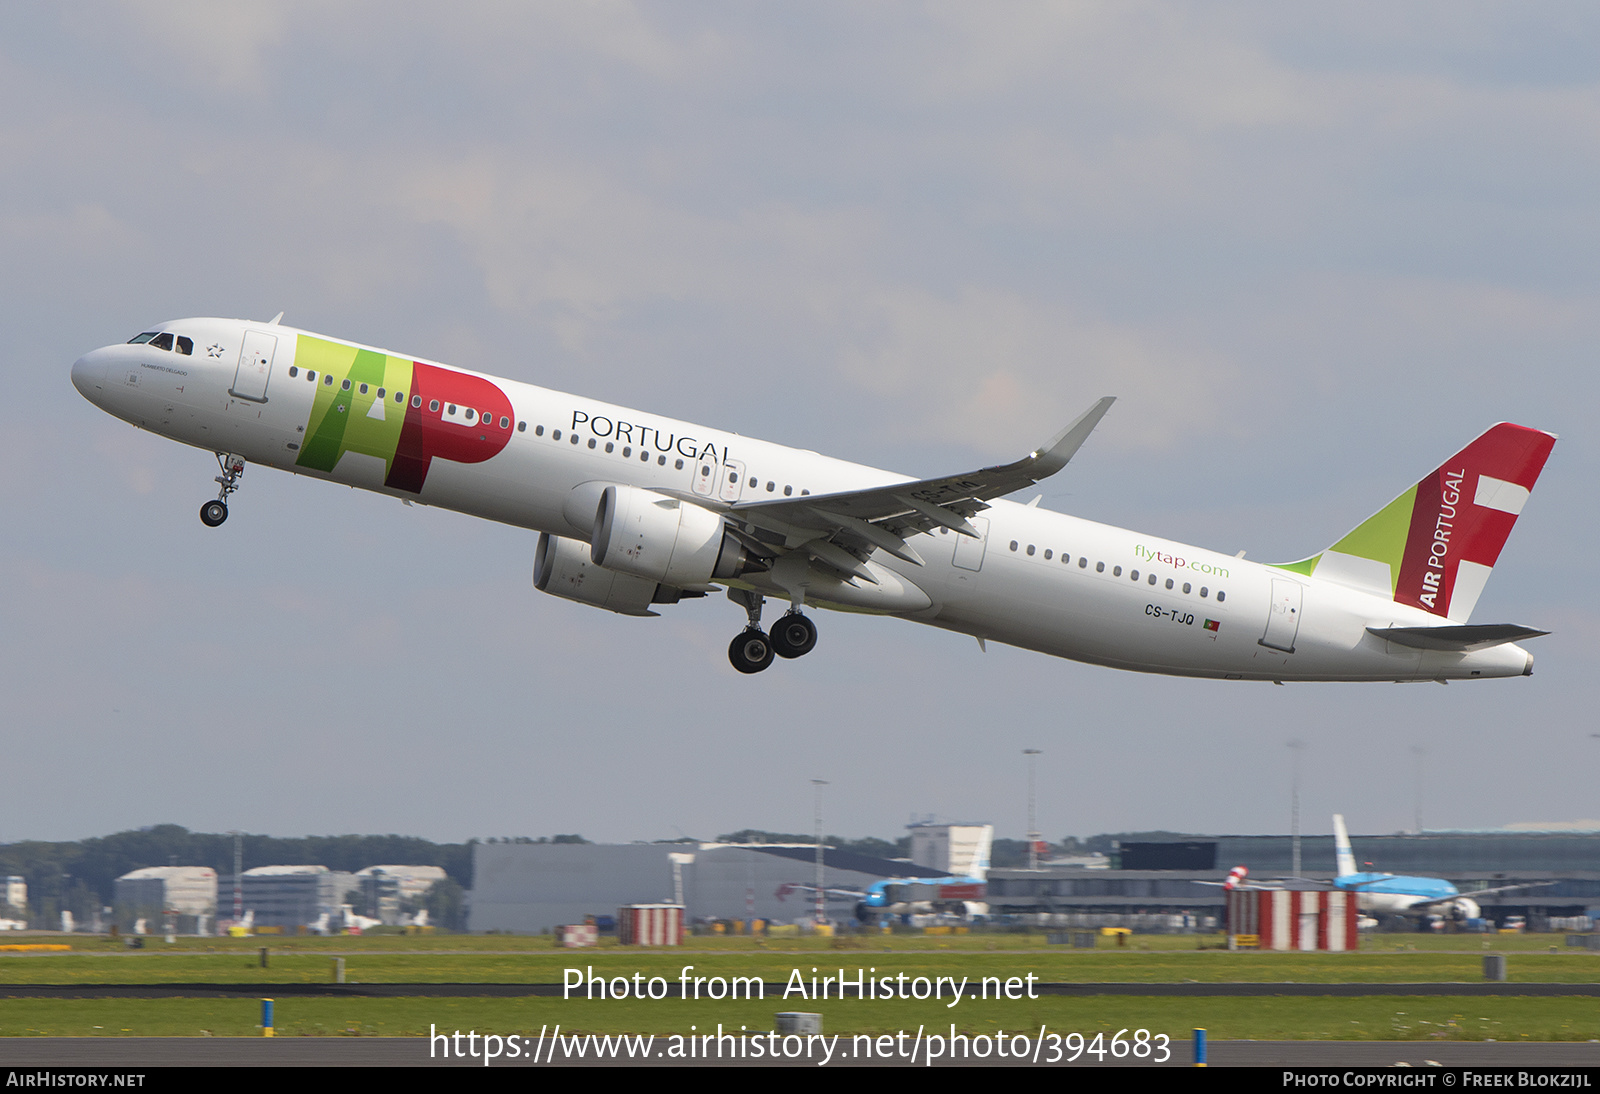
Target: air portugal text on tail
{"x": 636, "y": 511}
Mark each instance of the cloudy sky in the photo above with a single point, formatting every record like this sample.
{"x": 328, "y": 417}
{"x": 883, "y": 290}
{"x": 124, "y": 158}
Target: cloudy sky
{"x": 1313, "y": 248}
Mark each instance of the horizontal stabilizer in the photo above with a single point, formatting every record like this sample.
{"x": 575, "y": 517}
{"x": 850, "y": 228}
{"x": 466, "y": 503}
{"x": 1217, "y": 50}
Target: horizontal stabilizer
{"x": 1460, "y": 639}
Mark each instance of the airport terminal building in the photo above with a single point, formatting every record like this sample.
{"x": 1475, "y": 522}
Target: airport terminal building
{"x": 531, "y": 887}
{"x": 1158, "y": 879}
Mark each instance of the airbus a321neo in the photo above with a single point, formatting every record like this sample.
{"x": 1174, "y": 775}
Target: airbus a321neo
{"x": 636, "y": 511}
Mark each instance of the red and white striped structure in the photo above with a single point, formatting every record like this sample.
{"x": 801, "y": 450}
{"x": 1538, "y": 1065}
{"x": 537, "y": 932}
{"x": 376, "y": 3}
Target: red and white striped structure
{"x": 650, "y": 924}
{"x": 1295, "y": 919}
{"x": 573, "y": 935}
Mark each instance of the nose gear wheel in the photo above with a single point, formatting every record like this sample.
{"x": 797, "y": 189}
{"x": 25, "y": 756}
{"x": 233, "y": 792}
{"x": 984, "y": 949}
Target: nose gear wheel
{"x": 213, "y": 513}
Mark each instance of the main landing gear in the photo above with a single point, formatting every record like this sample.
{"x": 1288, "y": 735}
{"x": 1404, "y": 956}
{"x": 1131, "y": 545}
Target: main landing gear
{"x": 213, "y": 513}
{"x": 794, "y": 635}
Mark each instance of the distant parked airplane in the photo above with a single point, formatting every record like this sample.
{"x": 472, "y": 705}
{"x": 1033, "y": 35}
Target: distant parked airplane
{"x": 1378, "y": 893}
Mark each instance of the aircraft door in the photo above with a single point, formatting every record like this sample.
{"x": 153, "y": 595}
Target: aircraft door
{"x": 1283, "y": 617}
{"x": 969, "y": 551}
{"x": 255, "y": 367}
{"x": 732, "y": 480}
{"x": 705, "y": 476}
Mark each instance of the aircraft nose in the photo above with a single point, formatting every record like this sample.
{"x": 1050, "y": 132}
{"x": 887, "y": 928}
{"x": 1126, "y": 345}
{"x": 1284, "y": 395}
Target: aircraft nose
{"x": 88, "y": 374}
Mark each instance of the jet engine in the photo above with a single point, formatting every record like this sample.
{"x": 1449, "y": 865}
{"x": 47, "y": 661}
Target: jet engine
{"x": 652, "y": 536}
{"x": 561, "y": 567}
{"x": 1461, "y": 909}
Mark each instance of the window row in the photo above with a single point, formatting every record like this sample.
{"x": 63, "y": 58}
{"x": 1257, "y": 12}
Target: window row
{"x": 1116, "y": 571}
{"x": 661, "y": 461}
{"x": 465, "y": 414}
{"x": 627, "y": 449}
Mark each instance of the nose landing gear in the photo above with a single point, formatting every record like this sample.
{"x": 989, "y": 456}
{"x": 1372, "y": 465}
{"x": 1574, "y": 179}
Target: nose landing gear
{"x": 213, "y": 513}
{"x": 753, "y": 649}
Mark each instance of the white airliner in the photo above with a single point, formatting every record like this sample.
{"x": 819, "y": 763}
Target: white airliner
{"x": 636, "y": 510}
{"x": 1383, "y": 894}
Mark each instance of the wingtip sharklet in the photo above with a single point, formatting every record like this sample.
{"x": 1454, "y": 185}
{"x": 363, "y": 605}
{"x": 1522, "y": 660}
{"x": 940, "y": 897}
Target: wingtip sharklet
{"x": 1055, "y": 454}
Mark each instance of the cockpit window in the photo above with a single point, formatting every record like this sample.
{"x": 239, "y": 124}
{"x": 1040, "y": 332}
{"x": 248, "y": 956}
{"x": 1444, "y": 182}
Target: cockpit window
{"x": 185, "y": 346}
{"x": 141, "y": 339}
{"x": 162, "y": 341}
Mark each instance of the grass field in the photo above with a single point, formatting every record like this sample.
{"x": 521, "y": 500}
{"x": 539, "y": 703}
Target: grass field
{"x": 492, "y": 959}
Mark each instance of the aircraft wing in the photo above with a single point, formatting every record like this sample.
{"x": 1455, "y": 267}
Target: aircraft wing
{"x": 842, "y": 529}
{"x": 782, "y": 892}
{"x": 1476, "y": 893}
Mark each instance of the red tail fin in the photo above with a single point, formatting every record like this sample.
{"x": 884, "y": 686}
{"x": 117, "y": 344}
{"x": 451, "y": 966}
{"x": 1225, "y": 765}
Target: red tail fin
{"x": 1433, "y": 546}
{"x": 1462, "y": 515}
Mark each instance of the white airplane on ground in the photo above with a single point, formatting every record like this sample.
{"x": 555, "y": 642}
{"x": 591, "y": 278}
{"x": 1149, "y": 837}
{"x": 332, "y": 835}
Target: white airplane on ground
{"x": 636, "y": 510}
{"x": 1383, "y": 894}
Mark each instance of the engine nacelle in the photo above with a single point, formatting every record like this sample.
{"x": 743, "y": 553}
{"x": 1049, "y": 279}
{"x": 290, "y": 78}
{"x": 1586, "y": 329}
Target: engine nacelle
{"x": 562, "y": 567}
{"x": 651, "y": 536}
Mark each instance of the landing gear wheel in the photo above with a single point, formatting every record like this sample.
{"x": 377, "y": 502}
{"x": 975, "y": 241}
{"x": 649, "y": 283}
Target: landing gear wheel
{"x": 213, "y": 513}
{"x": 751, "y": 651}
{"x": 794, "y": 635}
